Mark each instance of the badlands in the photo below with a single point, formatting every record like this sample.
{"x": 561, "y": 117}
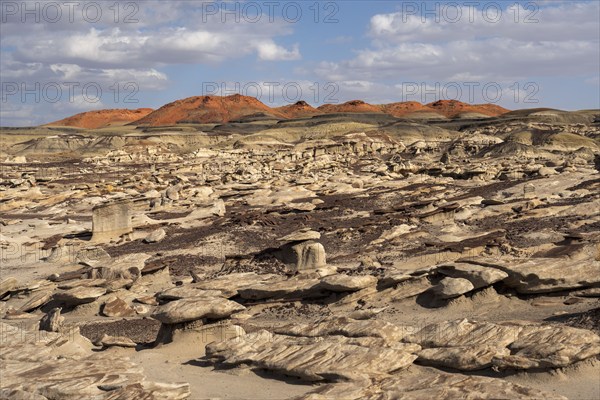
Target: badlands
{"x": 220, "y": 248}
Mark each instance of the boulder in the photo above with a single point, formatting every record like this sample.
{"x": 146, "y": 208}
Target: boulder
{"x": 155, "y": 236}
{"x": 125, "y": 267}
{"x": 448, "y": 288}
{"x": 546, "y": 171}
{"x": 194, "y": 308}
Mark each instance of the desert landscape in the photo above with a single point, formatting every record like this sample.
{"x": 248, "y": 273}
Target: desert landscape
{"x": 219, "y": 248}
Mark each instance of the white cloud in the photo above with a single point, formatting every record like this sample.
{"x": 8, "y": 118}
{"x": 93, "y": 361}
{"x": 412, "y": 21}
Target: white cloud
{"x": 269, "y": 51}
{"x": 564, "y": 41}
{"x": 113, "y": 51}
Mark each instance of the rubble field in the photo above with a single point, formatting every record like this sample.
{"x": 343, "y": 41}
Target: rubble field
{"x": 334, "y": 256}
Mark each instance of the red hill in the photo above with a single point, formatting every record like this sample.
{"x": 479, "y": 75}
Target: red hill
{"x": 403, "y": 108}
{"x": 207, "y": 109}
{"x": 298, "y": 110}
{"x": 102, "y": 118}
{"x": 353, "y": 106}
{"x": 452, "y": 108}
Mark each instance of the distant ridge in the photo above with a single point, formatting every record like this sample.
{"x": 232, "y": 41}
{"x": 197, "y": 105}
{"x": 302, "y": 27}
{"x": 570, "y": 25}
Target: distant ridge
{"x": 222, "y": 109}
{"x": 102, "y": 118}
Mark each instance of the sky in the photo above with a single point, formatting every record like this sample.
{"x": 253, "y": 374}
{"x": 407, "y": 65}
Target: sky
{"x": 59, "y": 58}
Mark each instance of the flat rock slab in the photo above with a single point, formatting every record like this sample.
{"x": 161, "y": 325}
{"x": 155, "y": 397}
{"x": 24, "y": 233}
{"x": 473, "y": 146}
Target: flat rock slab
{"x": 478, "y": 275}
{"x": 93, "y": 256}
{"x": 73, "y": 283}
{"x": 432, "y": 386}
{"x": 115, "y": 341}
{"x": 468, "y": 345}
{"x": 464, "y": 358}
{"x": 117, "y": 308}
{"x": 186, "y": 291}
{"x": 347, "y": 283}
{"x": 314, "y": 359}
{"x": 233, "y": 283}
{"x": 7, "y": 285}
{"x": 292, "y": 288}
{"x": 300, "y": 235}
{"x": 549, "y": 346}
{"x": 348, "y": 327}
{"x": 545, "y": 275}
{"x": 194, "y": 308}
{"x": 36, "y": 299}
{"x": 53, "y": 365}
{"x": 79, "y": 295}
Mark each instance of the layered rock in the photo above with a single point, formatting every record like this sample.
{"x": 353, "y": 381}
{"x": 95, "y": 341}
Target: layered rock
{"x": 313, "y": 359}
{"x": 62, "y": 366}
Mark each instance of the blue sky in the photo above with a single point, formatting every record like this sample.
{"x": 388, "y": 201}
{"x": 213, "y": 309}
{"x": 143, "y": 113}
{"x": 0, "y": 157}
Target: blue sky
{"x": 517, "y": 54}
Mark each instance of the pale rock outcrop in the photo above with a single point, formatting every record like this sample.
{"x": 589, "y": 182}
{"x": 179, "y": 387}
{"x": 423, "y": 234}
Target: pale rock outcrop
{"x": 478, "y": 275}
{"x": 52, "y": 320}
{"x": 448, "y": 288}
{"x": 545, "y": 275}
{"x": 313, "y": 359}
{"x": 347, "y": 283}
{"x": 437, "y": 385}
{"x": 469, "y": 345}
{"x": 195, "y": 308}
{"x": 111, "y": 221}
{"x": 78, "y": 295}
{"x": 155, "y": 236}
{"x": 62, "y": 366}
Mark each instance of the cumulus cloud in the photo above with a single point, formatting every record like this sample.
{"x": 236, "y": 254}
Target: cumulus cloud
{"x": 520, "y": 42}
{"x": 269, "y": 51}
{"x": 108, "y": 43}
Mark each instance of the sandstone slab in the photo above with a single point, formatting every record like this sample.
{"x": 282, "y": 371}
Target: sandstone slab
{"x": 195, "y": 308}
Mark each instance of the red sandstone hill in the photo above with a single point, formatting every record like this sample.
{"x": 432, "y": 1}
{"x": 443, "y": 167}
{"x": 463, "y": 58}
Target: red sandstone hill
{"x": 217, "y": 109}
{"x": 447, "y": 108}
{"x": 207, "y": 109}
{"x": 102, "y": 118}
{"x": 402, "y": 108}
{"x": 353, "y": 106}
{"x": 453, "y": 108}
{"x": 299, "y": 109}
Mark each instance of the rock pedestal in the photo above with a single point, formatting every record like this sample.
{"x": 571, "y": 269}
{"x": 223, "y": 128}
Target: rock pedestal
{"x": 302, "y": 252}
{"x": 111, "y": 221}
{"x": 303, "y": 256}
{"x": 52, "y": 321}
